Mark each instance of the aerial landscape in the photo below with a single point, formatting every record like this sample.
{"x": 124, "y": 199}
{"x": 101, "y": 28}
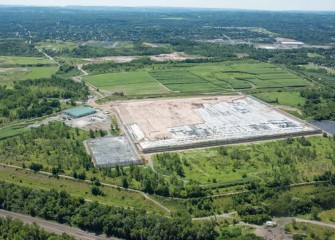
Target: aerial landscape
{"x": 204, "y": 121}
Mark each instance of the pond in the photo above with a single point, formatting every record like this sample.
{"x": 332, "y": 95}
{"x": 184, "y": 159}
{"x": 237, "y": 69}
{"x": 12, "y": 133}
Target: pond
{"x": 326, "y": 125}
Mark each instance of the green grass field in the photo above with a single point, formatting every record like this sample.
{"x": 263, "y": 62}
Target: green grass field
{"x": 199, "y": 78}
{"x": 56, "y": 45}
{"x": 11, "y": 60}
{"x": 130, "y": 83}
{"x": 12, "y": 131}
{"x": 112, "y": 196}
{"x": 327, "y": 216}
{"x": 39, "y": 72}
{"x": 292, "y": 99}
{"x": 218, "y": 77}
{"x": 8, "y": 75}
{"x": 261, "y": 161}
{"x": 312, "y": 231}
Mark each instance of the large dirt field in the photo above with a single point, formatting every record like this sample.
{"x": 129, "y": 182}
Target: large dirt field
{"x": 171, "y": 123}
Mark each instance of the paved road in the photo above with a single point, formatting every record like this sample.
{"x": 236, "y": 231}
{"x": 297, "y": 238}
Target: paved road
{"x": 56, "y": 228}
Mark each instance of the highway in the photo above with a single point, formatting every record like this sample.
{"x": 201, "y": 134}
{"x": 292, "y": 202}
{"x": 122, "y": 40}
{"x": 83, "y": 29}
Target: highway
{"x": 53, "y": 227}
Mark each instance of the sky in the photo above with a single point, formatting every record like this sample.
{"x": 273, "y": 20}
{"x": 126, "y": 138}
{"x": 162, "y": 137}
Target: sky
{"x": 303, "y": 5}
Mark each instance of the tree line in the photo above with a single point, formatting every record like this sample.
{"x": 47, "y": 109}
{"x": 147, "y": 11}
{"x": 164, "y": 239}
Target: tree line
{"x": 35, "y": 98}
{"x": 98, "y": 218}
{"x": 15, "y": 229}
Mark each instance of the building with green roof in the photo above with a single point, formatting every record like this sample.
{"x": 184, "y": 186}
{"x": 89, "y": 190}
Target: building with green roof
{"x": 78, "y": 112}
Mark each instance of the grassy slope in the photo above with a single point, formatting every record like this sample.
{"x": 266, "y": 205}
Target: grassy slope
{"x": 76, "y": 188}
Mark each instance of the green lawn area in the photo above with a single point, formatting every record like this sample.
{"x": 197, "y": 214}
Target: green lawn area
{"x": 314, "y": 55}
{"x": 11, "y": 60}
{"x": 292, "y": 99}
{"x": 262, "y": 161}
{"x": 12, "y": 131}
{"x": 130, "y": 83}
{"x": 112, "y": 196}
{"x": 39, "y": 72}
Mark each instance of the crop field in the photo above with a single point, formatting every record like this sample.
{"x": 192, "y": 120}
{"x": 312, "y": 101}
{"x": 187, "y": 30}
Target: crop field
{"x": 39, "y": 72}
{"x": 11, "y": 60}
{"x": 210, "y": 77}
{"x": 130, "y": 83}
{"x": 198, "y": 78}
{"x": 261, "y": 161}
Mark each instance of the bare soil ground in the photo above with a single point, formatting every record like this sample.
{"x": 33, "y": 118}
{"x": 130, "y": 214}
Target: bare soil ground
{"x": 118, "y": 59}
{"x": 176, "y": 56}
{"x": 167, "y": 113}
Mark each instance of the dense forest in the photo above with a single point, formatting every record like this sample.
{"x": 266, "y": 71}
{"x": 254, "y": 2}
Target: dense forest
{"x": 15, "y": 229}
{"x": 91, "y": 51}
{"x": 95, "y": 217}
{"x": 58, "y": 148}
{"x": 127, "y": 24}
{"x": 35, "y": 98}
{"x": 15, "y": 47}
{"x": 55, "y": 147}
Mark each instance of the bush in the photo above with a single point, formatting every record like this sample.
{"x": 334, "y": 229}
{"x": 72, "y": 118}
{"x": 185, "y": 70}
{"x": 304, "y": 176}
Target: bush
{"x": 36, "y": 166}
{"x": 96, "y": 191}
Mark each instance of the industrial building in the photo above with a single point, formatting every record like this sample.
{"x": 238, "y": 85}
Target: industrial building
{"x": 173, "y": 124}
{"x": 112, "y": 152}
{"x": 78, "y": 112}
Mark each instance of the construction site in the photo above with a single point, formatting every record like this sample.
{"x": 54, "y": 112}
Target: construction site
{"x": 174, "y": 124}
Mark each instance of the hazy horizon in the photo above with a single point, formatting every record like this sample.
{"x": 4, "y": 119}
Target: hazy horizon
{"x": 283, "y": 5}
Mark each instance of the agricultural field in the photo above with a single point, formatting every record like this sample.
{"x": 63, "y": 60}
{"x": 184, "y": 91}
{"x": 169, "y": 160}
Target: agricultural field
{"x": 130, "y": 83}
{"x": 292, "y": 99}
{"x": 297, "y": 160}
{"x": 211, "y": 77}
{"x": 39, "y": 72}
{"x": 23, "y": 61}
{"x": 200, "y": 78}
